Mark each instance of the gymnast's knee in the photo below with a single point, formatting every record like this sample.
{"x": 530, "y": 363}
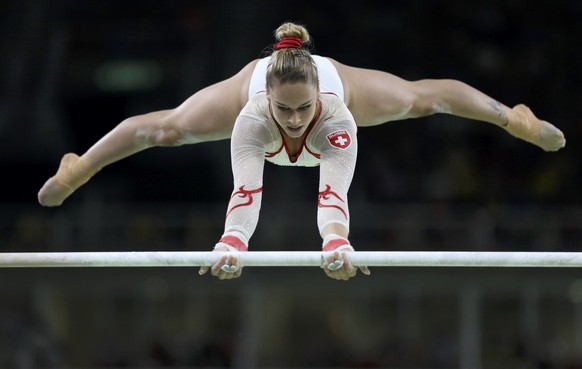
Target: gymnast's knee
{"x": 159, "y": 130}
{"x": 173, "y": 128}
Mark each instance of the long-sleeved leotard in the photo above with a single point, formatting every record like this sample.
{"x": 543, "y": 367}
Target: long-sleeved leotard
{"x": 330, "y": 142}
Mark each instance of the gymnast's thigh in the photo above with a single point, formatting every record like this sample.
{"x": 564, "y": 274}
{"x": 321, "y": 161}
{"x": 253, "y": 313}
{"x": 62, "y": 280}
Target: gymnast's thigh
{"x": 210, "y": 113}
{"x": 375, "y": 97}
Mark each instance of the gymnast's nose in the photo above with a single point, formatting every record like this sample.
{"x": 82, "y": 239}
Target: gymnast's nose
{"x": 295, "y": 119}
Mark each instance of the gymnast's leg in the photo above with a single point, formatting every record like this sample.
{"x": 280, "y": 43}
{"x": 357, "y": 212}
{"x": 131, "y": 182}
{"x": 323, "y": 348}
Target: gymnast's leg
{"x": 208, "y": 115}
{"x": 376, "y": 97}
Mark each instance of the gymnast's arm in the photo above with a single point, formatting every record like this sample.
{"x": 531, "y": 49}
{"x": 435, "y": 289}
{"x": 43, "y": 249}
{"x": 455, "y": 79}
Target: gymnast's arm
{"x": 338, "y": 144}
{"x": 250, "y": 138}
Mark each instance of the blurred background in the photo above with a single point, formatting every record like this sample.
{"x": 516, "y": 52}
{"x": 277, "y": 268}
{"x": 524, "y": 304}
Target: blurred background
{"x": 72, "y": 70}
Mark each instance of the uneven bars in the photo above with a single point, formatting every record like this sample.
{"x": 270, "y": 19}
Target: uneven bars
{"x": 290, "y": 258}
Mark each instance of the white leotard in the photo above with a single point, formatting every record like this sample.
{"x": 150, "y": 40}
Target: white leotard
{"x": 330, "y": 142}
{"x": 329, "y": 80}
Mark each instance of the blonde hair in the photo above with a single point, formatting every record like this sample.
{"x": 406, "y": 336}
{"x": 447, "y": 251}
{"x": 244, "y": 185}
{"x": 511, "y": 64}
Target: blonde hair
{"x": 292, "y": 64}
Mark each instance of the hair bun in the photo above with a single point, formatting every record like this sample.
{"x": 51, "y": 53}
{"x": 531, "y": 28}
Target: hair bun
{"x": 290, "y": 29}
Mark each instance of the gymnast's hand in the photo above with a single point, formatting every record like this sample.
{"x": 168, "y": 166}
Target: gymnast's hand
{"x": 228, "y": 266}
{"x": 338, "y": 265}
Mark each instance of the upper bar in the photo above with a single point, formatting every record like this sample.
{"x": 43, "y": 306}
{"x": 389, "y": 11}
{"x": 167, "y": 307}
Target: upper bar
{"x": 290, "y": 258}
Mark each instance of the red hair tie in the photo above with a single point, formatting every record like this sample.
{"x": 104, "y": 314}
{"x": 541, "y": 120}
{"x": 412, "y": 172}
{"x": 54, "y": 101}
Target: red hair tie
{"x": 289, "y": 42}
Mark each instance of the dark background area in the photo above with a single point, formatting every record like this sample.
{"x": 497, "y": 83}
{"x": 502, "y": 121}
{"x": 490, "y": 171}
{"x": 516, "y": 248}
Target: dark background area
{"x": 71, "y": 70}
{"x": 59, "y": 55}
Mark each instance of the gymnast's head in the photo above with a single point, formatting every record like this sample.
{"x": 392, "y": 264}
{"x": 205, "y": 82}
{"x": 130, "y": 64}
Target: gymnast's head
{"x": 292, "y": 80}
{"x": 291, "y": 61}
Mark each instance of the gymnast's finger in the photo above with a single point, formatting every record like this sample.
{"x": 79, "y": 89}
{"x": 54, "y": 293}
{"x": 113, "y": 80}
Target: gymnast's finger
{"x": 350, "y": 267}
{"x": 227, "y": 267}
{"x": 203, "y": 270}
{"x": 364, "y": 269}
{"x": 334, "y": 266}
{"x": 348, "y": 270}
{"x": 333, "y": 262}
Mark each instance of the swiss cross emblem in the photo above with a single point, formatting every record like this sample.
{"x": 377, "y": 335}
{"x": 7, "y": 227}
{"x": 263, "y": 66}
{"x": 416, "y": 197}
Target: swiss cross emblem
{"x": 340, "y": 139}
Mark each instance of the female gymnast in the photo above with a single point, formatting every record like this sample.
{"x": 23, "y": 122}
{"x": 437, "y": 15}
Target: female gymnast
{"x": 369, "y": 98}
{"x": 292, "y": 123}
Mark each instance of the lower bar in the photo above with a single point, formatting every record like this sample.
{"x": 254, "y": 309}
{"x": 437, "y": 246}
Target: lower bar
{"x": 290, "y": 258}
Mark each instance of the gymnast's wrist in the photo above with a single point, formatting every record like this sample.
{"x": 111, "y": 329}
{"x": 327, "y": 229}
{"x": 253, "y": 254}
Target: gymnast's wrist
{"x": 234, "y": 241}
{"x": 334, "y": 242}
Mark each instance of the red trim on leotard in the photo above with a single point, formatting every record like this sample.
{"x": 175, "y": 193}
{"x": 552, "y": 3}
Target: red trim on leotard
{"x": 271, "y": 154}
{"x": 234, "y": 242}
{"x": 330, "y": 93}
{"x": 318, "y": 156}
{"x": 325, "y": 194}
{"x": 242, "y": 193}
{"x": 334, "y": 244}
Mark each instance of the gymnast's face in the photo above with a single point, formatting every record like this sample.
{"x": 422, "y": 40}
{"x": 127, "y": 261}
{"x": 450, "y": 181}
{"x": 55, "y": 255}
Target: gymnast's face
{"x": 293, "y": 106}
